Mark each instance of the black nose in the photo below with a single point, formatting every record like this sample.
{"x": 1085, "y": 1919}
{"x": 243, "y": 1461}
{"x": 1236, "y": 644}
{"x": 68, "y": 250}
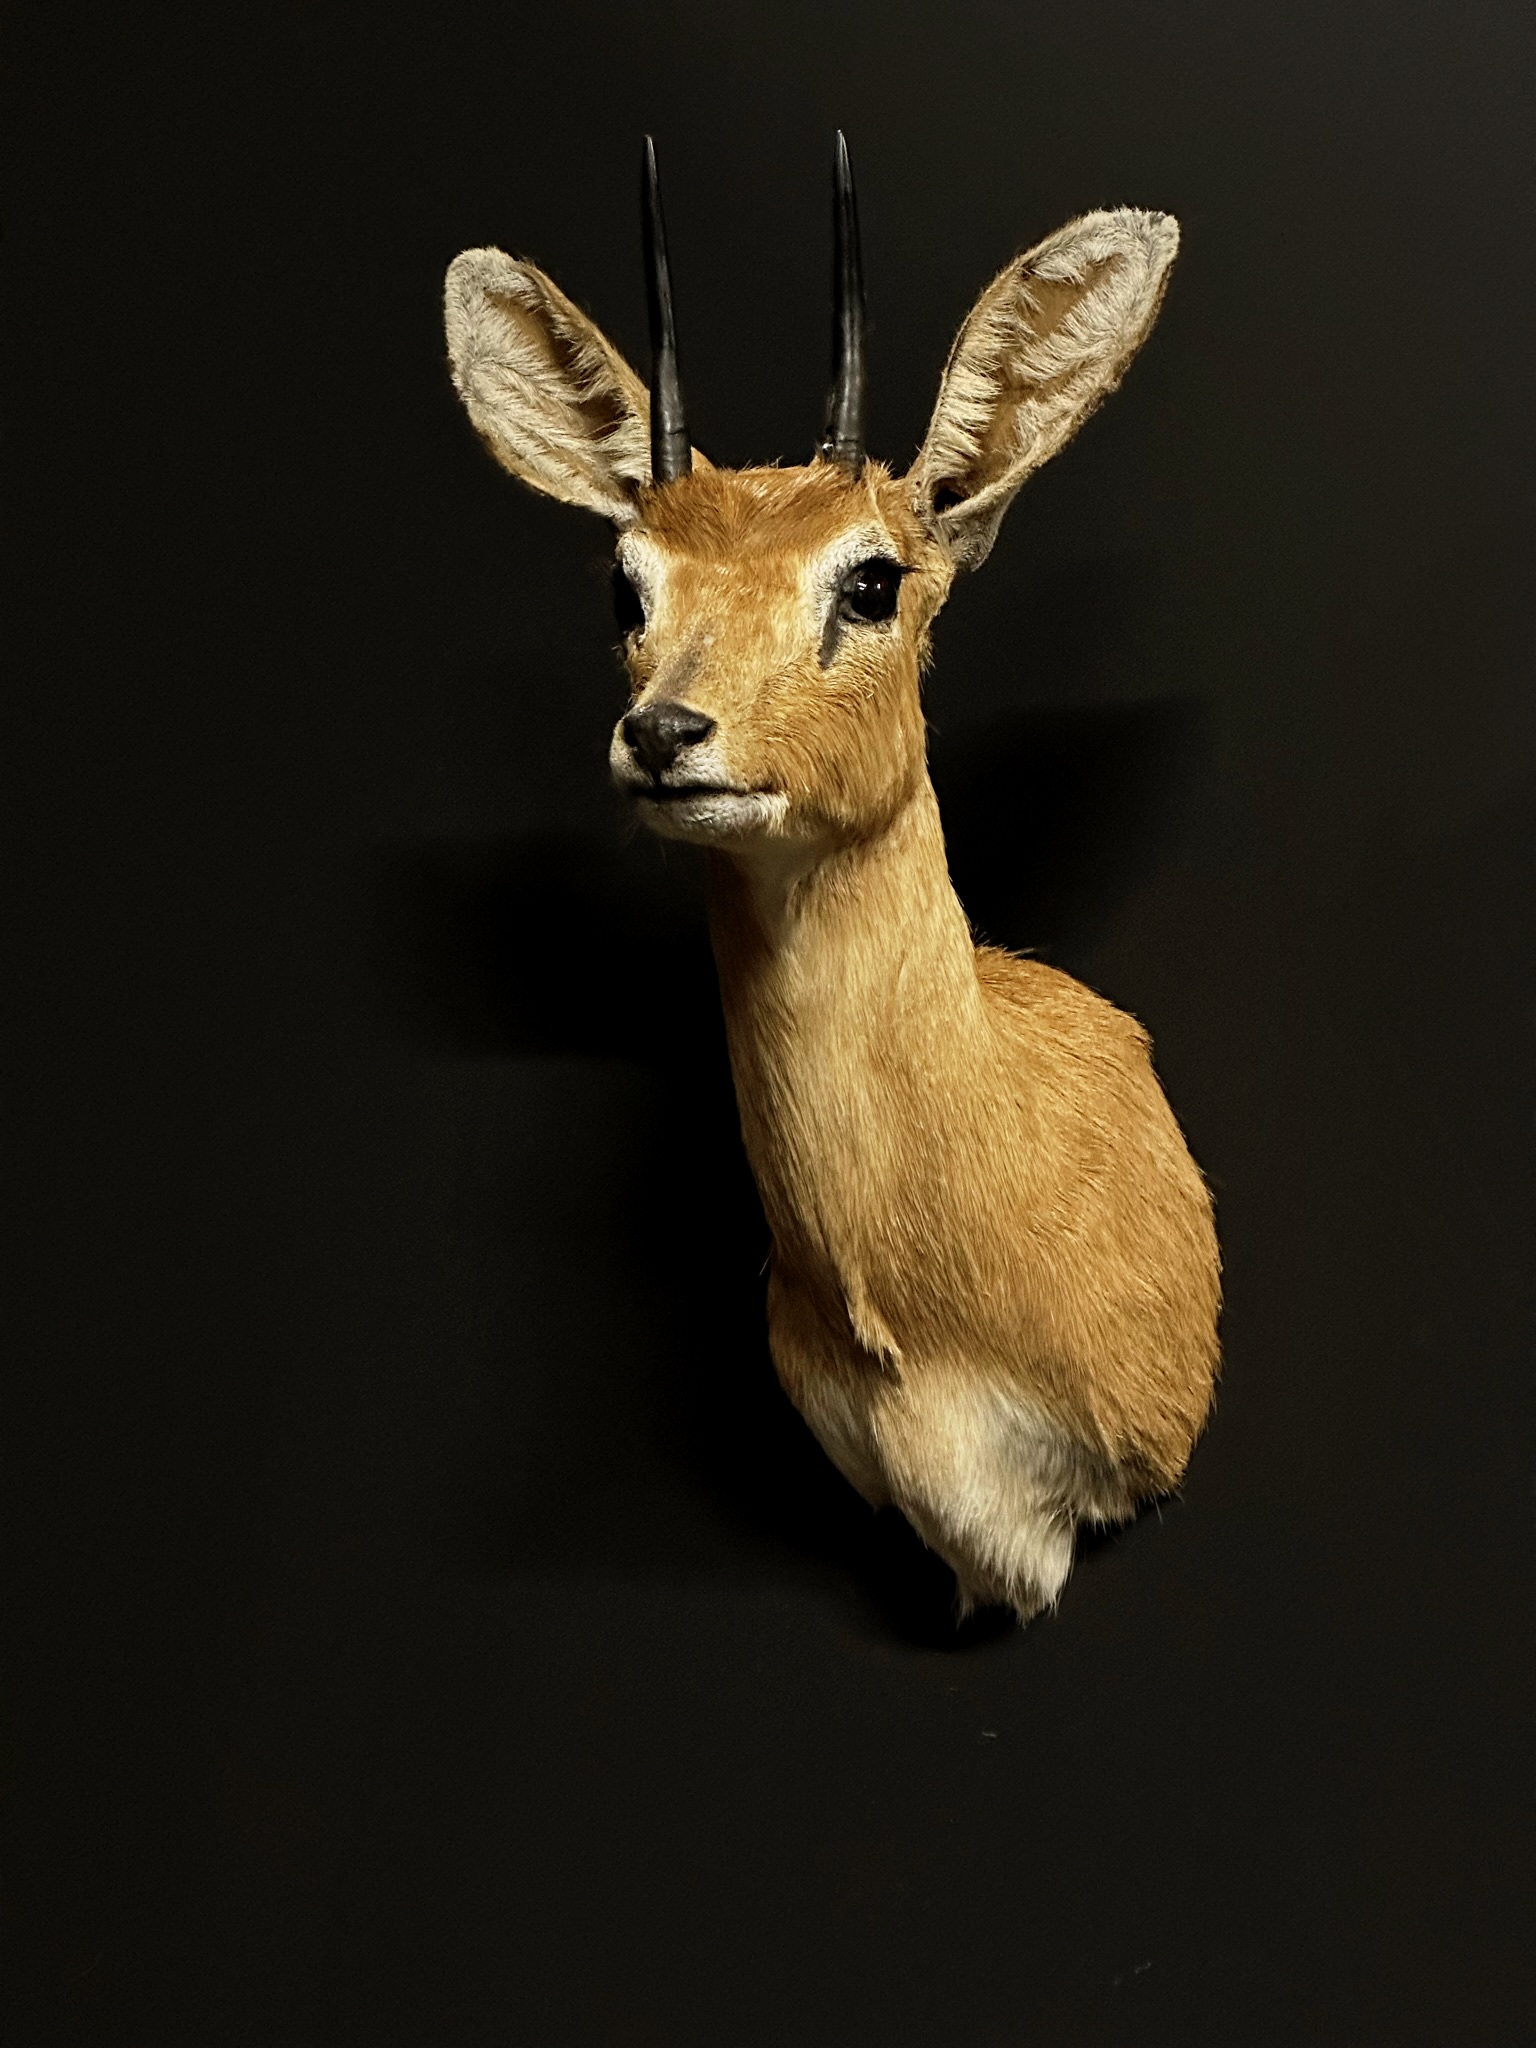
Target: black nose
{"x": 657, "y": 733}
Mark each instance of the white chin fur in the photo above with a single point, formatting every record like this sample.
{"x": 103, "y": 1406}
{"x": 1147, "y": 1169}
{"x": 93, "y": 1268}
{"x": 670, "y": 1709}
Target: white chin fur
{"x": 712, "y": 817}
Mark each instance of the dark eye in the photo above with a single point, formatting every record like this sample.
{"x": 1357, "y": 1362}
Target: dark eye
{"x": 869, "y": 592}
{"x": 627, "y": 607}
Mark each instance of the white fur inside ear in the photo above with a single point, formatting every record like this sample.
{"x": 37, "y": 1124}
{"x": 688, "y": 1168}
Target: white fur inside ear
{"x": 549, "y": 393}
{"x": 1049, "y": 338}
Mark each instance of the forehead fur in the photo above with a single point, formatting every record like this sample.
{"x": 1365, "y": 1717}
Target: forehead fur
{"x": 720, "y": 513}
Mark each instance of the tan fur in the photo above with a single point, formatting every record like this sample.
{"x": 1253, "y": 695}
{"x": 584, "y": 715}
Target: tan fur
{"x": 994, "y": 1289}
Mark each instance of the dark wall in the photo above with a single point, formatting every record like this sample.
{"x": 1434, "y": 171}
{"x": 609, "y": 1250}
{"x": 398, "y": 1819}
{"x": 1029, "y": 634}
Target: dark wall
{"x": 434, "y": 1626}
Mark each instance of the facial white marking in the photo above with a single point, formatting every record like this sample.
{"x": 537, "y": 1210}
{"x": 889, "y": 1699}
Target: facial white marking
{"x": 715, "y": 817}
{"x": 821, "y": 584}
{"x": 645, "y": 565}
{"x": 824, "y": 572}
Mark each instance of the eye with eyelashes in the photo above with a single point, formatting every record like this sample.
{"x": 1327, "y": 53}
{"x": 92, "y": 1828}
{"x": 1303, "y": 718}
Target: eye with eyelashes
{"x": 868, "y": 593}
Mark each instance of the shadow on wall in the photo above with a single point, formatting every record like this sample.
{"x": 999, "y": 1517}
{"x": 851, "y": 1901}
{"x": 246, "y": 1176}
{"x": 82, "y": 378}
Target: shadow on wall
{"x": 1054, "y": 818}
{"x": 551, "y": 944}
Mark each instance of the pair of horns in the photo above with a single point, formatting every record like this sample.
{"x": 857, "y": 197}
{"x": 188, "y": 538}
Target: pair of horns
{"x": 842, "y": 438}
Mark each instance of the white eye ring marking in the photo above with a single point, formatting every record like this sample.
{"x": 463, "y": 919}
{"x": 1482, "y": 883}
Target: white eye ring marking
{"x": 645, "y": 566}
{"x": 824, "y": 580}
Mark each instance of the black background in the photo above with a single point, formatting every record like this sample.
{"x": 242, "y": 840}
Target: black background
{"x": 435, "y": 1627}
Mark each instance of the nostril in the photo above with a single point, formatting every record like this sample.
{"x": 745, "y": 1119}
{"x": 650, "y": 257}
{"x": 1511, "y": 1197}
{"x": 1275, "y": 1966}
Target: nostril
{"x": 690, "y": 726}
{"x": 657, "y": 733}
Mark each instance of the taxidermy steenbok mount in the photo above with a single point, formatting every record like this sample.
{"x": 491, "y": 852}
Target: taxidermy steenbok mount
{"x": 994, "y": 1286}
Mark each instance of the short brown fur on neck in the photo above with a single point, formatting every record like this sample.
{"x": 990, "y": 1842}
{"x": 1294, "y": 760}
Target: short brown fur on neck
{"x": 925, "y": 1117}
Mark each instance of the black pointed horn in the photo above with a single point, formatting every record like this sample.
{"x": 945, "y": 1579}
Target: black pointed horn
{"x": 671, "y": 451}
{"x": 842, "y": 438}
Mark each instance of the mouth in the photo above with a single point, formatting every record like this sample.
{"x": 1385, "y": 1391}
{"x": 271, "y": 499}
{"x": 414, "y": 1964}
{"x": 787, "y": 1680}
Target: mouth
{"x": 687, "y": 792}
{"x": 710, "y": 813}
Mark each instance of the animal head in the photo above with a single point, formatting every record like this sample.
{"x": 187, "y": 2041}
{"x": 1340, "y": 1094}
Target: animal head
{"x": 775, "y": 621}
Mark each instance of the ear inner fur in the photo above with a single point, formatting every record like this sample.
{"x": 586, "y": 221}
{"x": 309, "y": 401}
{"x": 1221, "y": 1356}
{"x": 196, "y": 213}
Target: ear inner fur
{"x": 1047, "y": 341}
{"x": 553, "y": 399}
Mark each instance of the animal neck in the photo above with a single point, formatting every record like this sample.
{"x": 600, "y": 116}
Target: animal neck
{"x": 869, "y": 928}
{"x": 854, "y": 1019}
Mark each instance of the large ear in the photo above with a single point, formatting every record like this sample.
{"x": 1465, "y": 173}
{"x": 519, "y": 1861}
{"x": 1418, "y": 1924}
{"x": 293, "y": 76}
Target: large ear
{"x": 550, "y": 394}
{"x": 1043, "y": 344}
